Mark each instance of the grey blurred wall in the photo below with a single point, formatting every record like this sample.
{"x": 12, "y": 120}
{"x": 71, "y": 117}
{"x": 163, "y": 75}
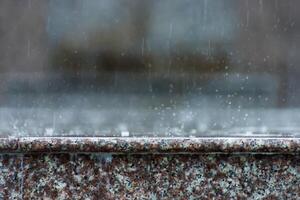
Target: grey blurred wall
{"x": 73, "y": 37}
{"x": 23, "y": 36}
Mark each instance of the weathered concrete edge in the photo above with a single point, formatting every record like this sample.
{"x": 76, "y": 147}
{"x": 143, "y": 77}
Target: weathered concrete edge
{"x": 127, "y": 145}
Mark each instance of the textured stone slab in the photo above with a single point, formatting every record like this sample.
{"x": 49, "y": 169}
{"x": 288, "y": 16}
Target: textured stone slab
{"x": 11, "y": 176}
{"x": 105, "y": 176}
{"x": 127, "y": 145}
{"x": 149, "y": 168}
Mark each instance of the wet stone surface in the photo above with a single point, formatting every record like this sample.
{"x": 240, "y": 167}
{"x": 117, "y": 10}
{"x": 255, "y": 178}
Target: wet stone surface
{"x": 149, "y": 176}
{"x": 116, "y": 120}
{"x": 11, "y": 176}
{"x": 129, "y": 145}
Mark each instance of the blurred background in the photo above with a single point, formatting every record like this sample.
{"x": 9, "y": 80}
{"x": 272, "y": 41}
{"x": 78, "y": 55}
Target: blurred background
{"x": 149, "y": 67}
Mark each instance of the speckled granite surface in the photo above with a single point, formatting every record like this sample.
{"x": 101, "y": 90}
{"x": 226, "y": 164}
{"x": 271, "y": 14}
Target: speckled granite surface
{"x": 127, "y": 145}
{"x": 56, "y": 169}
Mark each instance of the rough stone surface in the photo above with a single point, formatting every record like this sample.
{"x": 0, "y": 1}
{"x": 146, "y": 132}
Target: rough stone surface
{"x": 149, "y": 168}
{"x": 127, "y": 145}
{"x": 11, "y": 176}
{"x": 105, "y": 176}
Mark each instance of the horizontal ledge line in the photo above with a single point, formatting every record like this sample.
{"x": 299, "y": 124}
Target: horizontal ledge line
{"x": 151, "y": 145}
